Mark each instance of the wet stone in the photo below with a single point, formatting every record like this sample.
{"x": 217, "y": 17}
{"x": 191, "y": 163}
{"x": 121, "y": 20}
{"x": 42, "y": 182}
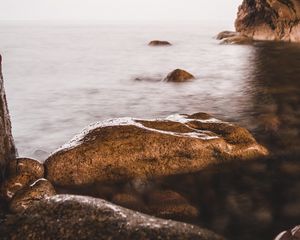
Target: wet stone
{"x": 156, "y": 43}
{"x": 37, "y": 191}
{"x": 179, "y": 75}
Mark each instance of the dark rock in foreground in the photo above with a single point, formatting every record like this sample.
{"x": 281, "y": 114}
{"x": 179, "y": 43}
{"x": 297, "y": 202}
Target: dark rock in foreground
{"x": 76, "y": 217}
{"x": 156, "y": 43}
{"x": 126, "y": 148}
{"x": 179, "y": 75}
{"x": 293, "y": 234}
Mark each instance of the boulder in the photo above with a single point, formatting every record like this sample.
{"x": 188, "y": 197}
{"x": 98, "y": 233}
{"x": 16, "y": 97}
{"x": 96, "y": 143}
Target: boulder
{"x": 226, "y": 34}
{"x": 37, "y": 191}
{"x": 76, "y": 217}
{"x": 179, "y": 75}
{"x": 126, "y": 148}
{"x": 269, "y": 20}
{"x": 156, "y": 43}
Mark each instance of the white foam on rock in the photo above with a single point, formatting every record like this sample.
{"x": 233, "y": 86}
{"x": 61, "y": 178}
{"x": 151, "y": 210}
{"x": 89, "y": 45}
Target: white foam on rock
{"x": 126, "y": 121}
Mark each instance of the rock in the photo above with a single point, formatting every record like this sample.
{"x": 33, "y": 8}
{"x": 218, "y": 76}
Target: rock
{"x": 293, "y": 234}
{"x": 26, "y": 165}
{"x": 179, "y": 75}
{"x": 226, "y": 34}
{"x": 269, "y": 20}
{"x": 37, "y": 191}
{"x": 76, "y": 217}
{"x": 15, "y": 183}
{"x": 239, "y": 39}
{"x": 171, "y": 205}
{"x": 159, "y": 43}
{"x": 124, "y": 149}
{"x": 130, "y": 201}
{"x": 7, "y": 146}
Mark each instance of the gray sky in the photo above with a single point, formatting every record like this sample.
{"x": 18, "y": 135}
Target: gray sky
{"x": 119, "y": 10}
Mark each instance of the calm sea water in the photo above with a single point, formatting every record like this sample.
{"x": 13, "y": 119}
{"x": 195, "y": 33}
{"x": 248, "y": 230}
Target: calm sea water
{"x": 59, "y": 79}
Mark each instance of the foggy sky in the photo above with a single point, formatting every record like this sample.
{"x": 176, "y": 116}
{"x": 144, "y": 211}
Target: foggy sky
{"x": 118, "y": 10}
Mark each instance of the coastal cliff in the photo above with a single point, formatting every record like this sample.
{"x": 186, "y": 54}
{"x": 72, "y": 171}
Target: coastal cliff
{"x": 7, "y": 147}
{"x": 277, "y": 20}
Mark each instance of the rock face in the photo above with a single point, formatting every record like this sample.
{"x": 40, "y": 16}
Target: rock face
{"x": 75, "y": 217}
{"x": 126, "y": 148}
{"x": 7, "y": 147}
{"x": 269, "y": 19}
{"x": 179, "y": 75}
{"x": 156, "y": 43}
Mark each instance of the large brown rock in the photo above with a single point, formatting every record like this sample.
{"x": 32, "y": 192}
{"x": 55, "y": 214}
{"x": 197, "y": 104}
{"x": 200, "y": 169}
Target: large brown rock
{"x": 126, "y": 148}
{"x": 269, "y": 19}
{"x": 179, "y": 75}
{"x": 75, "y": 217}
{"x": 7, "y": 147}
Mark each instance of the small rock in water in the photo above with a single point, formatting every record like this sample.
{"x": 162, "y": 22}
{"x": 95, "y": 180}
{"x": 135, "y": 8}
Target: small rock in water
{"x": 156, "y": 43}
{"x": 179, "y": 75}
{"x": 40, "y": 189}
{"x": 238, "y": 39}
{"x": 226, "y": 34}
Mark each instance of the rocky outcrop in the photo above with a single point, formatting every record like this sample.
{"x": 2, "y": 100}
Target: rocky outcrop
{"x": 126, "y": 148}
{"x": 269, "y": 20}
{"x": 179, "y": 75}
{"x": 75, "y": 217}
{"x": 158, "y": 43}
{"x": 7, "y": 147}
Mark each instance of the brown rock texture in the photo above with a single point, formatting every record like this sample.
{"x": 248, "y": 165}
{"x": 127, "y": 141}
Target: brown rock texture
{"x": 269, "y": 20}
{"x": 76, "y": 217}
{"x": 156, "y": 43}
{"x": 293, "y": 234}
{"x": 126, "y": 148}
{"x": 7, "y": 147}
{"x": 179, "y": 75}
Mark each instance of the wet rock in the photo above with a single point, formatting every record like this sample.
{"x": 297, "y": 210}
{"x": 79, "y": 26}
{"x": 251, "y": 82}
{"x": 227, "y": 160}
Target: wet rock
{"x": 238, "y": 39}
{"x": 131, "y": 201}
{"x": 126, "y": 148}
{"x": 7, "y": 146}
{"x": 37, "y": 191}
{"x": 293, "y": 234}
{"x": 156, "y": 43}
{"x": 226, "y": 34}
{"x": 179, "y": 75}
{"x": 269, "y": 20}
{"x": 75, "y": 217}
{"x": 15, "y": 183}
{"x": 26, "y": 165}
{"x": 171, "y": 205}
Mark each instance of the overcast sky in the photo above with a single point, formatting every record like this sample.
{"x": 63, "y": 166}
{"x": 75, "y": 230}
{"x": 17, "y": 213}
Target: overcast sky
{"x": 119, "y": 10}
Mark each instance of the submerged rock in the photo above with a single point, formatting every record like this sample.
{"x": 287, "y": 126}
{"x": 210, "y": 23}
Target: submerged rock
{"x": 126, "y": 148}
{"x": 179, "y": 75}
{"x": 75, "y": 217}
{"x": 226, "y": 34}
{"x": 159, "y": 43}
{"x": 33, "y": 193}
{"x": 238, "y": 39}
{"x": 269, "y": 20}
